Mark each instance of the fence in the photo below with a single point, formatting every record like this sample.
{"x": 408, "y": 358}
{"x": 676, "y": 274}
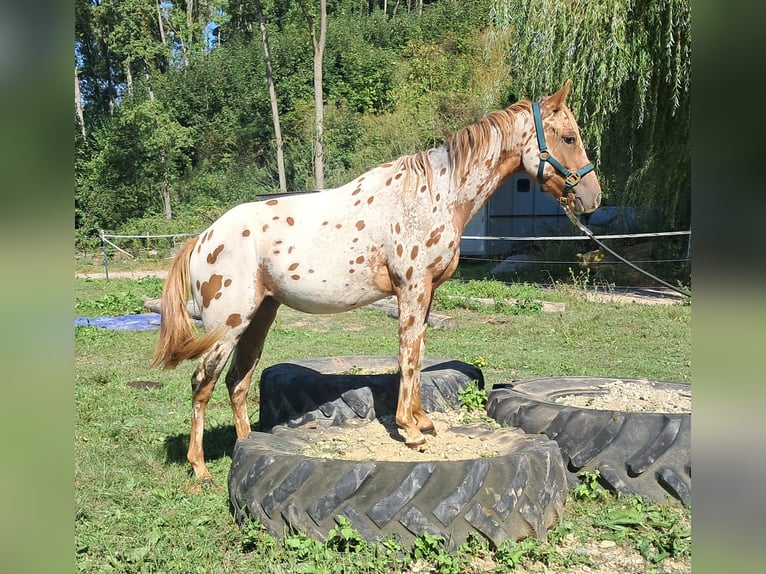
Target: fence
{"x": 164, "y": 246}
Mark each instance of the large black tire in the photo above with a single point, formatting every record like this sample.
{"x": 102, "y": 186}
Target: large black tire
{"x": 636, "y": 453}
{"x": 331, "y": 390}
{"x": 519, "y": 493}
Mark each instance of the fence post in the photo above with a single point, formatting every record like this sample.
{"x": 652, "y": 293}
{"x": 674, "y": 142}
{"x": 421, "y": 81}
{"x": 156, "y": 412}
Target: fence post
{"x": 103, "y": 250}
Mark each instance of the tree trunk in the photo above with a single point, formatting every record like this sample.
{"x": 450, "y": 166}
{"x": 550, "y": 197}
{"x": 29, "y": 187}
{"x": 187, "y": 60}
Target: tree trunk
{"x": 190, "y": 26}
{"x": 165, "y": 188}
{"x": 148, "y": 77}
{"x": 319, "y": 95}
{"x": 273, "y": 98}
{"x": 319, "y": 46}
{"x": 78, "y": 103}
{"x": 160, "y": 23}
{"x": 128, "y": 80}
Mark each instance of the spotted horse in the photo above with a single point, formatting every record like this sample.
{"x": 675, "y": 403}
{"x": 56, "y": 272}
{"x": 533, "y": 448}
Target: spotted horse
{"x": 394, "y": 230}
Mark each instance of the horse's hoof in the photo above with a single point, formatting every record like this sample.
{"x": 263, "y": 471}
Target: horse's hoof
{"x": 418, "y": 445}
{"x": 429, "y": 430}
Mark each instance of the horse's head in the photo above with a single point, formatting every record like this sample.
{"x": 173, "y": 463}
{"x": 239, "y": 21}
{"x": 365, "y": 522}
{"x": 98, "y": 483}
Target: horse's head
{"x": 555, "y": 155}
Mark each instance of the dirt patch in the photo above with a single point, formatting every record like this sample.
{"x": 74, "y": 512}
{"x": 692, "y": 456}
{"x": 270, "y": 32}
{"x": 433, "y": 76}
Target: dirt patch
{"x": 381, "y": 439}
{"x": 638, "y": 396}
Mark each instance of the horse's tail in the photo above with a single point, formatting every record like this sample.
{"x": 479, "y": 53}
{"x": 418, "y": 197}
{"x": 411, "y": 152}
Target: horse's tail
{"x": 177, "y": 342}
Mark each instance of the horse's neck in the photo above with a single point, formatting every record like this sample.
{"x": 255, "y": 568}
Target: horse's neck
{"x": 469, "y": 192}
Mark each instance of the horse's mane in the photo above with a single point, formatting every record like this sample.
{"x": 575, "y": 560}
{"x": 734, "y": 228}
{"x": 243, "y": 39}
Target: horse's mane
{"x": 465, "y": 148}
{"x": 475, "y": 143}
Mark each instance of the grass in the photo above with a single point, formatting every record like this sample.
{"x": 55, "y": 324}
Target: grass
{"x": 138, "y": 509}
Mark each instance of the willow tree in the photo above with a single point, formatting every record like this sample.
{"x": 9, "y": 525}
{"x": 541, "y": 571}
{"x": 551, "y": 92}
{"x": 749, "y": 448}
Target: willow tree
{"x": 630, "y": 64}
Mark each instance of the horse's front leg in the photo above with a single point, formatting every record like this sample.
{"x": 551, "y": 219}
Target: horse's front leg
{"x": 410, "y": 416}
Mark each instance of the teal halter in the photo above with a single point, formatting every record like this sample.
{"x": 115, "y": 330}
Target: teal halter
{"x": 572, "y": 178}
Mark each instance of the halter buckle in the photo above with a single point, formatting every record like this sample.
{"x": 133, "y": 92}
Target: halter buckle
{"x": 573, "y": 179}
{"x": 544, "y": 155}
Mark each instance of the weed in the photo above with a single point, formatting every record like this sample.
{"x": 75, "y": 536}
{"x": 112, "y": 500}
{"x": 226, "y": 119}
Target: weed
{"x": 343, "y": 537}
{"x": 657, "y": 532}
{"x": 472, "y": 398}
{"x": 431, "y": 548}
{"x": 590, "y": 488}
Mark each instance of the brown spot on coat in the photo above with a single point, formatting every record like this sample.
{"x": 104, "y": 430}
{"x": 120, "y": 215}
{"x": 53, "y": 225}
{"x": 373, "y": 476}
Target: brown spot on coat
{"x": 234, "y": 320}
{"x": 246, "y": 233}
{"x": 265, "y": 228}
{"x": 360, "y": 259}
{"x": 290, "y": 221}
{"x": 442, "y": 171}
{"x": 198, "y": 284}
{"x": 422, "y": 189}
{"x": 272, "y": 202}
{"x": 227, "y": 283}
{"x": 275, "y": 218}
{"x": 356, "y": 191}
{"x": 291, "y": 249}
{"x": 211, "y": 257}
{"x": 357, "y": 202}
{"x": 399, "y": 250}
{"x": 409, "y": 273}
{"x": 414, "y": 253}
{"x": 386, "y": 165}
{"x": 211, "y": 289}
{"x": 293, "y": 267}
{"x": 360, "y": 225}
{"x": 370, "y": 200}
{"x": 388, "y": 181}
{"x": 398, "y": 228}
{"x": 295, "y": 277}
{"x": 338, "y": 225}
{"x": 398, "y": 175}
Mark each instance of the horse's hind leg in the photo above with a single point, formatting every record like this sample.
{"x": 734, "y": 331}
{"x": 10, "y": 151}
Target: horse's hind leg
{"x": 246, "y": 357}
{"x": 203, "y": 382}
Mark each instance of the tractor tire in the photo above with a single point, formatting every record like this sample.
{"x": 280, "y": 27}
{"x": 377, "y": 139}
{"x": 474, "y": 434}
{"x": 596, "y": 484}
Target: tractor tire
{"x": 636, "y": 453}
{"x": 516, "y": 494}
{"x": 331, "y": 390}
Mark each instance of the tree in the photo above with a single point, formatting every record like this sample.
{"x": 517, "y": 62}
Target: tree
{"x": 319, "y": 48}
{"x": 272, "y": 97}
{"x": 630, "y": 63}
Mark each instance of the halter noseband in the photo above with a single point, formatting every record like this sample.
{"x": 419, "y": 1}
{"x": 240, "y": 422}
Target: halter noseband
{"x": 572, "y": 178}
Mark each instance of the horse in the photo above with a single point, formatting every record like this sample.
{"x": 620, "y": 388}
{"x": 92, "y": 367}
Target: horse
{"x": 394, "y": 230}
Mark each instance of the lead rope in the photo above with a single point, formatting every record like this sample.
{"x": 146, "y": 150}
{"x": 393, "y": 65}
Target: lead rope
{"x": 582, "y": 227}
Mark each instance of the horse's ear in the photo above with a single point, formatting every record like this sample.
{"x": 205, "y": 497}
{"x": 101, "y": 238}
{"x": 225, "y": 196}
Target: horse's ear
{"x": 556, "y": 101}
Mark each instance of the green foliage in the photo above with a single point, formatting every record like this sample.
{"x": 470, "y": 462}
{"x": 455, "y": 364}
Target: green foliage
{"x": 343, "y": 537}
{"x": 656, "y": 531}
{"x": 630, "y": 64}
{"x": 119, "y": 297}
{"x": 589, "y": 487}
{"x": 472, "y": 398}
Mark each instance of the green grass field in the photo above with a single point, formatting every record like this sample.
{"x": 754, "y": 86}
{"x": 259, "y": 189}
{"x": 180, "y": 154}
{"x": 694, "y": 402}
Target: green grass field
{"x": 138, "y": 509}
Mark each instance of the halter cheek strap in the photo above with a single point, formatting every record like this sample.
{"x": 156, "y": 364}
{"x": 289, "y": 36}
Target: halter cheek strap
{"x": 572, "y": 178}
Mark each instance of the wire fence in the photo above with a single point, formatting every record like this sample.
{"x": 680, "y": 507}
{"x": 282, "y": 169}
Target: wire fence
{"x": 555, "y": 258}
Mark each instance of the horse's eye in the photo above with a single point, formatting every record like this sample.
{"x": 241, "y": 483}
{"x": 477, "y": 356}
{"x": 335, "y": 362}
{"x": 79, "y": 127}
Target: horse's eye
{"x": 569, "y": 140}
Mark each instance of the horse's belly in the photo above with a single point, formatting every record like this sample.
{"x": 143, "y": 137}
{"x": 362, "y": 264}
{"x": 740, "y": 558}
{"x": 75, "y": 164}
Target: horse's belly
{"x": 327, "y": 298}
